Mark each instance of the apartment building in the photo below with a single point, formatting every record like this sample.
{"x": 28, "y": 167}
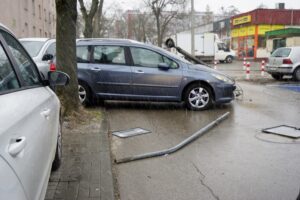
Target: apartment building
{"x": 29, "y": 18}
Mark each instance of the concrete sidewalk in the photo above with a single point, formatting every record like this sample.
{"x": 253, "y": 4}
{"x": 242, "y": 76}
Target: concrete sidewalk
{"x": 85, "y": 173}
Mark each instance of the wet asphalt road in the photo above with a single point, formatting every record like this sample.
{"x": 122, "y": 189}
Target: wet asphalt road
{"x": 232, "y": 161}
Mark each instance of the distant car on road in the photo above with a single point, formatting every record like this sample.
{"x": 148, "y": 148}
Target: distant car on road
{"x": 130, "y": 70}
{"x": 30, "y": 134}
{"x": 284, "y": 61}
{"x": 42, "y": 50}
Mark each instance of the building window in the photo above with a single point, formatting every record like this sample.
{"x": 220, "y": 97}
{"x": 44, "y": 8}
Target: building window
{"x": 26, "y": 5}
{"x": 46, "y": 35}
{"x": 40, "y": 32}
{"x": 45, "y": 12}
{"x": 261, "y": 42}
{"x": 40, "y": 12}
{"x": 26, "y": 30}
{"x": 49, "y": 18}
{"x": 33, "y": 7}
{"x": 34, "y": 31}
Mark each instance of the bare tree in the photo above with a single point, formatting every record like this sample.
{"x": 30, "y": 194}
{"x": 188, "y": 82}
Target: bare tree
{"x": 88, "y": 17}
{"x": 229, "y": 11}
{"x": 164, "y": 11}
{"x": 99, "y": 20}
{"x": 66, "y": 57}
{"x": 208, "y": 17}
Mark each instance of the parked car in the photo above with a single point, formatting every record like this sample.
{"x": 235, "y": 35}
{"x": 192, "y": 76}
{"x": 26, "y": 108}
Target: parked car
{"x": 130, "y": 70}
{"x": 30, "y": 135}
{"x": 42, "y": 50}
{"x": 284, "y": 61}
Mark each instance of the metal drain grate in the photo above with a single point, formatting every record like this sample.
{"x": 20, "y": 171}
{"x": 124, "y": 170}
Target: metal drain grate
{"x": 284, "y": 130}
{"x": 130, "y": 132}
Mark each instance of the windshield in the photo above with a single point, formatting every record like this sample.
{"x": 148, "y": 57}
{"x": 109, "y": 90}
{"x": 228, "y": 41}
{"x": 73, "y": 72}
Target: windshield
{"x": 281, "y": 52}
{"x": 33, "y": 47}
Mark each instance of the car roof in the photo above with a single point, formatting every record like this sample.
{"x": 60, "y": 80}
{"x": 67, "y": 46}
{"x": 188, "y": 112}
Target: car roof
{"x": 36, "y": 39}
{"x": 107, "y": 41}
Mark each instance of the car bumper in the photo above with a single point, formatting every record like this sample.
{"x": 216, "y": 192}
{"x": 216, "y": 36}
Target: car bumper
{"x": 288, "y": 69}
{"x": 224, "y": 93}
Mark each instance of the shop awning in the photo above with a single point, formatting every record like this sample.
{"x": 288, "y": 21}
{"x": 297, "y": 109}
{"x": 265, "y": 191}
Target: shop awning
{"x": 289, "y": 32}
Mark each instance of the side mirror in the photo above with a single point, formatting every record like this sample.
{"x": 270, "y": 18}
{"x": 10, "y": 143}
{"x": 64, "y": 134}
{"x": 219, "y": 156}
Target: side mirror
{"x": 58, "y": 78}
{"x": 163, "y": 66}
{"x": 47, "y": 57}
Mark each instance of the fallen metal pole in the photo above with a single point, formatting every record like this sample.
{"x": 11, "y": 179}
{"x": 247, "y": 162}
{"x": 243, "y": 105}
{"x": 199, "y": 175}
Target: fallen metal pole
{"x": 178, "y": 146}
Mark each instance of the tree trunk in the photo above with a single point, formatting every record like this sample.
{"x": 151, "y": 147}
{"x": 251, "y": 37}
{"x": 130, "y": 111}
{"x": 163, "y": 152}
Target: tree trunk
{"x": 88, "y": 28}
{"x": 98, "y": 20}
{"x": 66, "y": 11}
{"x": 159, "y": 37}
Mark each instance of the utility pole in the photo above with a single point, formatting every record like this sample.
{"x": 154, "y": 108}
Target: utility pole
{"x": 192, "y": 29}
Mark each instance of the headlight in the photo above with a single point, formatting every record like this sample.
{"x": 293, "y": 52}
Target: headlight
{"x": 223, "y": 78}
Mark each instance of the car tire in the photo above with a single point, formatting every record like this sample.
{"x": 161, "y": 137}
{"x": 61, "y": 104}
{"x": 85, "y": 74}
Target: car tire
{"x": 85, "y": 94}
{"x": 198, "y": 97}
{"x": 58, "y": 153}
{"x": 296, "y": 74}
{"x": 277, "y": 76}
{"x": 229, "y": 59}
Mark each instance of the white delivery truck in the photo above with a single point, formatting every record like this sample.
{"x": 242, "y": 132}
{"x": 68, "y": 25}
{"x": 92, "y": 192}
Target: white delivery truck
{"x": 208, "y": 46}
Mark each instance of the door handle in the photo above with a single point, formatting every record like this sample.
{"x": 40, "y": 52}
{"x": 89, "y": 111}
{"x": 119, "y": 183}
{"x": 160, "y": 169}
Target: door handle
{"x": 97, "y": 69}
{"x": 46, "y": 113}
{"x": 139, "y": 71}
{"x": 16, "y": 146}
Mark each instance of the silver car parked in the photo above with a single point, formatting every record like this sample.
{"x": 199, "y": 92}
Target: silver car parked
{"x": 30, "y": 136}
{"x": 284, "y": 61}
{"x": 42, "y": 50}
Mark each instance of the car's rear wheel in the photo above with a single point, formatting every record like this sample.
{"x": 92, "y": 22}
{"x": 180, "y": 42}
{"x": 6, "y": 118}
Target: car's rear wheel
{"x": 296, "y": 74}
{"x": 198, "y": 97}
{"x": 84, "y": 92}
{"x": 58, "y": 154}
{"x": 277, "y": 76}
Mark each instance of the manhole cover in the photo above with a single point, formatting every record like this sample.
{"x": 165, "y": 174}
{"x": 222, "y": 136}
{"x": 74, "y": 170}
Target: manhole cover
{"x": 130, "y": 132}
{"x": 284, "y": 130}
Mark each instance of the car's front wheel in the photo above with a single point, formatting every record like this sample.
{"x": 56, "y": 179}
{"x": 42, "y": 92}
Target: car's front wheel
{"x": 198, "y": 97}
{"x": 229, "y": 59}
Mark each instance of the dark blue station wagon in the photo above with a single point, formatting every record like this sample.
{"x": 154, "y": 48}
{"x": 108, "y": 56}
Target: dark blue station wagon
{"x": 129, "y": 70}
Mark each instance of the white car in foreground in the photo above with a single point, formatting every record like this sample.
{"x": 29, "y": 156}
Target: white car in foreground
{"x": 30, "y": 136}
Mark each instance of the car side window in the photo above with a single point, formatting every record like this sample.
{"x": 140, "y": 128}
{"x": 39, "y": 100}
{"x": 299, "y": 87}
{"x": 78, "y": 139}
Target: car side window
{"x": 171, "y": 63}
{"x": 109, "y": 55}
{"x": 51, "y": 49}
{"x": 8, "y": 79}
{"x": 27, "y": 67}
{"x": 82, "y": 54}
{"x": 147, "y": 58}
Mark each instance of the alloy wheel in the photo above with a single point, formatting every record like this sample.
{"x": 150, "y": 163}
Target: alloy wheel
{"x": 198, "y": 97}
{"x": 81, "y": 93}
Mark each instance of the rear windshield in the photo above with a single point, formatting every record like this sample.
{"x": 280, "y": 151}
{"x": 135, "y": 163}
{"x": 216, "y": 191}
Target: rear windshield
{"x": 33, "y": 47}
{"x": 281, "y": 52}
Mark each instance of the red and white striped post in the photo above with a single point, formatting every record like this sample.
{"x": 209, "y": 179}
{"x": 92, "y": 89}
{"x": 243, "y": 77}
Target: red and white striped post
{"x": 244, "y": 64}
{"x": 262, "y": 69}
{"x": 215, "y": 65}
{"x": 248, "y": 71}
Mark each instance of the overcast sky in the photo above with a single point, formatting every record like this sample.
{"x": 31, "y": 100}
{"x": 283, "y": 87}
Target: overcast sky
{"x": 215, "y": 5}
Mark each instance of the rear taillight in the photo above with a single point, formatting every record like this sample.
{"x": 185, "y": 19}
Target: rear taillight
{"x": 52, "y": 67}
{"x": 287, "y": 61}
